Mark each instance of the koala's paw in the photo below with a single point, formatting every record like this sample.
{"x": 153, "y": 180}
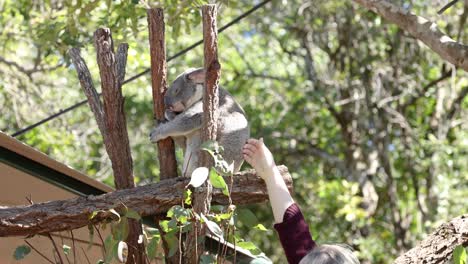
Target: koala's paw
{"x": 156, "y": 135}
{"x": 169, "y": 115}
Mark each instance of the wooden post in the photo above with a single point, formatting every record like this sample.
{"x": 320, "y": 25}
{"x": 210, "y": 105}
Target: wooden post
{"x": 111, "y": 121}
{"x": 166, "y": 149}
{"x": 202, "y": 198}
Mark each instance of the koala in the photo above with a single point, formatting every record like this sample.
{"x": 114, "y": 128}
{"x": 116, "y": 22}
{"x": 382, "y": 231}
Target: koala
{"x": 184, "y": 114}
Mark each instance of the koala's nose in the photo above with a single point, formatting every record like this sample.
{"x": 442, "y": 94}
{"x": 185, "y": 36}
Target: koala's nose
{"x": 167, "y": 101}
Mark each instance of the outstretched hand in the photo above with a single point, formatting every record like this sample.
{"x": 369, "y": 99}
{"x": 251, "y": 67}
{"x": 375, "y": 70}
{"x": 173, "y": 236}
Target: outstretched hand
{"x": 259, "y": 157}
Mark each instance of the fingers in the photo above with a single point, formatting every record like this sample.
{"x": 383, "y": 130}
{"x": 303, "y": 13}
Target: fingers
{"x": 250, "y": 147}
{"x": 248, "y": 152}
{"x": 255, "y": 142}
{"x": 248, "y": 158}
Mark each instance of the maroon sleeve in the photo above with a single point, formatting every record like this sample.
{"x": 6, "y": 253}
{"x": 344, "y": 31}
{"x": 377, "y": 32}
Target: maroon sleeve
{"x": 294, "y": 235}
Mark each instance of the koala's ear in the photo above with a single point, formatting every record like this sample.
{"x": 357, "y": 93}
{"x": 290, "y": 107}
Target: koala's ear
{"x": 196, "y": 76}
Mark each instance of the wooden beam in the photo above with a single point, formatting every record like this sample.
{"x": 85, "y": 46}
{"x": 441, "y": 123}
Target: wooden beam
{"x": 147, "y": 200}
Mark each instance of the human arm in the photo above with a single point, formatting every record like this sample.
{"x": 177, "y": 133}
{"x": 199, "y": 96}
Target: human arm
{"x": 290, "y": 224}
{"x": 259, "y": 156}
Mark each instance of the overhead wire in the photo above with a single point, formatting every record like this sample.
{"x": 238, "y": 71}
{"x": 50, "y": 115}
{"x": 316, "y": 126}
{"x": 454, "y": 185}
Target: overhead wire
{"x": 136, "y": 76}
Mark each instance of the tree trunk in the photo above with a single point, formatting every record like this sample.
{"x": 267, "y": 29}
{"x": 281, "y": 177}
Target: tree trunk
{"x": 422, "y": 29}
{"x": 202, "y": 196}
{"x": 438, "y": 247}
{"x": 166, "y": 149}
{"x": 166, "y": 152}
{"x": 147, "y": 200}
{"x": 110, "y": 118}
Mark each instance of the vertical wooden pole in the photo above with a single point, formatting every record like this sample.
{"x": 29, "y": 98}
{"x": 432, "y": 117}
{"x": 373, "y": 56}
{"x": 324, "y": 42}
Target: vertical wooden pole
{"x": 166, "y": 149}
{"x": 202, "y": 198}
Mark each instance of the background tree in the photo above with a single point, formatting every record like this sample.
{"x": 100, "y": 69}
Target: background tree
{"x": 370, "y": 121}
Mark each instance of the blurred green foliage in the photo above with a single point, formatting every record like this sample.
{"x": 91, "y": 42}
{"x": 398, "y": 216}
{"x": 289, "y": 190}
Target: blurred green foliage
{"x": 340, "y": 96}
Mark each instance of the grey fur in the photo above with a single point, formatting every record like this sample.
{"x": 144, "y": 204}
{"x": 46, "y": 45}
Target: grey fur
{"x": 330, "y": 254}
{"x": 184, "y": 112}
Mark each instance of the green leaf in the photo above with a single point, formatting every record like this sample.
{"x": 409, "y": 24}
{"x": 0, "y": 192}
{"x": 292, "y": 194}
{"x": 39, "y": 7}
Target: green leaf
{"x": 152, "y": 247}
{"x": 247, "y": 217}
{"x": 218, "y": 182}
{"x": 21, "y": 252}
{"x": 173, "y": 243}
{"x": 260, "y": 227}
{"x": 188, "y": 197}
{"x": 164, "y": 224}
{"x": 91, "y": 235}
{"x": 247, "y": 245}
{"x": 66, "y": 249}
{"x": 133, "y": 214}
{"x": 93, "y": 214}
{"x": 210, "y": 146}
{"x": 124, "y": 227}
{"x": 459, "y": 255}
{"x": 213, "y": 227}
{"x": 110, "y": 244}
{"x": 207, "y": 259}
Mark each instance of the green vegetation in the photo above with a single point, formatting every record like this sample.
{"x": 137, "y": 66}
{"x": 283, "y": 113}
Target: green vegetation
{"x": 371, "y": 123}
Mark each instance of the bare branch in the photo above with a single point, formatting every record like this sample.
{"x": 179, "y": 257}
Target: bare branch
{"x": 147, "y": 200}
{"x": 86, "y": 82}
{"x": 457, "y": 103}
{"x": 447, "y": 6}
{"x": 421, "y": 92}
{"x": 438, "y": 247}
{"x": 422, "y": 29}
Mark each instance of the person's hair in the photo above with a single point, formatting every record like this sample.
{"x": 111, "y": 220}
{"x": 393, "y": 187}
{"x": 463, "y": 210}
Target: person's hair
{"x": 330, "y": 254}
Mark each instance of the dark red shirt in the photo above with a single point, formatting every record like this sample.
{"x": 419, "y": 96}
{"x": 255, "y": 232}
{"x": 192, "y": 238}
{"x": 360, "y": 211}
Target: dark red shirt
{"x": 294, "y": 235}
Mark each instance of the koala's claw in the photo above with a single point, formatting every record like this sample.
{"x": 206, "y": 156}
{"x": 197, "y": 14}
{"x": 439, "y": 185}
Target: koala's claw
{"x": 155, "y": 136}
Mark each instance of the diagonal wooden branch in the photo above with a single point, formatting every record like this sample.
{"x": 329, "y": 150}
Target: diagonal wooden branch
{"x": 422, "y": 29}
{"x": 86, "y": 82}
{"x": 438, "y": 247}
{"x": 456, "y": 105}
{"x": 147, "y": 200}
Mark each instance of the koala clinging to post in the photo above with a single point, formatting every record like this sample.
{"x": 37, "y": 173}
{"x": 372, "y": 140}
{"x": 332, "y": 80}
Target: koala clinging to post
{"x": 184, "y": 114}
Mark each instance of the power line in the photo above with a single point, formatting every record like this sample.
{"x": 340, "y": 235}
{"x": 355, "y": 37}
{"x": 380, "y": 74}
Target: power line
{"x": 178, "y": 54}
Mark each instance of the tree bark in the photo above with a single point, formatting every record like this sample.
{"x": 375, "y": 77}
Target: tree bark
{"x": 438, "y": 247}
{"x": 166, "y": 148}
{"x": 86, "y": 82}
{"x": 110, "y": 118}
{"x": 147, "y": 200}
{"x": 202, "y": 196}
{"x": 422, "y": 29}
